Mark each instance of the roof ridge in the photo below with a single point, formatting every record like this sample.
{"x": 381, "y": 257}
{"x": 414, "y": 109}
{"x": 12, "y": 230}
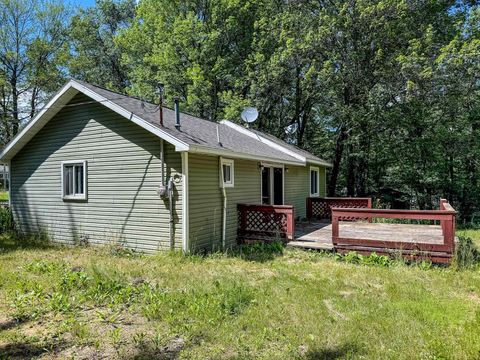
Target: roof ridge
{"x": 266, "y": 140}
{"x": 84, "y": 83}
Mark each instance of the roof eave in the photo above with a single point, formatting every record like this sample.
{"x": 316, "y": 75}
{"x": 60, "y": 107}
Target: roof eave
{"x": 60, "y": 99}
{"x": 319, "y": 162}
{"x": 238, "y": 155}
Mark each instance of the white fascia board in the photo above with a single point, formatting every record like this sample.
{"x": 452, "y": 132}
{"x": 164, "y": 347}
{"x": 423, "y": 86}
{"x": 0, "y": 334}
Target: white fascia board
{"x": 179, "y": 145}
{"x": 238, "y": 155}
{"x": 62, "y": 98}
{"x": 273, "y": 144}
{"x": 321, "y": 163}
{"x": 264, "y": 140}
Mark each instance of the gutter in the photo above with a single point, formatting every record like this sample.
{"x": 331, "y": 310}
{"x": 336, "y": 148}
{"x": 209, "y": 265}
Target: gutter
{"x": 238, "y": 155}
{"x": 224, "y": 212}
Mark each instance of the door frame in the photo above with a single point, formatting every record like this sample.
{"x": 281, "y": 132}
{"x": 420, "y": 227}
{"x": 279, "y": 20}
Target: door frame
{"x": 271, "y": 166}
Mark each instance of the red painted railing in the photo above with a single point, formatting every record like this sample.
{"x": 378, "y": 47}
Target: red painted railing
{"x": 440, "y": 252}
{"x": 265, "y": 222}
{"x": 321, "y": 208}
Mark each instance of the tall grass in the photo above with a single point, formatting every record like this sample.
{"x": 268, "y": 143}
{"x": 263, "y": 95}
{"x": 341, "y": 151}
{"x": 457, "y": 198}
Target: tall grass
{"x": 467, "y": 254}
{"x": 6, "y": 220}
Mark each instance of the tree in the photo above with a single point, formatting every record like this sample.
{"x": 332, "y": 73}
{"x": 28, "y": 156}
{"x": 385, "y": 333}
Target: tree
{"x": 33, "y": 51}
{"x": 95, "y": 57}
{"x": 197, "y": 49}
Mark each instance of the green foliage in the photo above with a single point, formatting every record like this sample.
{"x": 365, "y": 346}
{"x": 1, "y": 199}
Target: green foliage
{"x": 3, "y": 196}
{"x": 95, "y": 56}
{"x": 466, "y": 253}
{"x": 384, "y": 89}
{"x": 352, "y": 257}
{"x": 33, "y": 54}
{"x": 6, "y": 220}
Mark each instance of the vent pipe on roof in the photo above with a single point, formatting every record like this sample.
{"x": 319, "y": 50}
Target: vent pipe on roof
{"x": 160, "y": 105}
{"x": 177, "y": 113}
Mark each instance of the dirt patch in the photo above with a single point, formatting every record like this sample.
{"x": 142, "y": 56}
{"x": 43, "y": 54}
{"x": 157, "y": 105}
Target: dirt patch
{"x": 96, "y": 333}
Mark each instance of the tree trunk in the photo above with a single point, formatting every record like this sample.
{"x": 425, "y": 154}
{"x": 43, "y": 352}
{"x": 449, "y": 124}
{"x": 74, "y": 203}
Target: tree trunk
{"x": 15, "y": 123}
{"x": 342, "y": 136}
{"x": 350, "y": 172}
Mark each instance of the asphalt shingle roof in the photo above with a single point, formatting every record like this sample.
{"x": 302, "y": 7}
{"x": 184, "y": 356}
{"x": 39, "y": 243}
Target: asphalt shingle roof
{"x": 201, "y": 132}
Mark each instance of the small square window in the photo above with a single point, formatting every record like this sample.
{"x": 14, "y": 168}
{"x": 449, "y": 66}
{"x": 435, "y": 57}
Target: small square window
{"x": 226, "y": 173}
{"x": 74, "y": 180}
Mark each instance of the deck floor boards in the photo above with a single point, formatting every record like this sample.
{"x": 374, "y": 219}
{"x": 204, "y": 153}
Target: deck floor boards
{"x": 319, "y": 235}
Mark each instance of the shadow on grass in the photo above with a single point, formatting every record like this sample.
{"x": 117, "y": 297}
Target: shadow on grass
{"x": 26, "y": 350}
{"x": 12, "y": 241}
{"x": 11, "y": 323}
{"x": 258, "y": 252}
{"x": 345, "y": 351}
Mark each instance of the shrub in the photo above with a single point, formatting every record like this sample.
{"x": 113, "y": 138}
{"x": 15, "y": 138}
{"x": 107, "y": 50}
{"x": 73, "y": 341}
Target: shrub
{"x": 466, "y": 253}
{"x": 6, "y": 220}
{"x": 352, "y": 257}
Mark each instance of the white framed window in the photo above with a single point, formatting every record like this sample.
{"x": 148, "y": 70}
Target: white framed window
{"x": 227, "y": 173}
{"x": 314, "y": 181}
{"x": 74, "y": 180}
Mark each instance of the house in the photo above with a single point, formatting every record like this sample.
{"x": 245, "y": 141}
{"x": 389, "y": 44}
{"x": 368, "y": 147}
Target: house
{"x": 97, "y": 166}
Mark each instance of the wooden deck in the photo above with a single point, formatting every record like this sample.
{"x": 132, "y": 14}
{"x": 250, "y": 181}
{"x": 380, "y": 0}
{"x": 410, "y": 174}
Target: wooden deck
{"x": 317, "y": 235}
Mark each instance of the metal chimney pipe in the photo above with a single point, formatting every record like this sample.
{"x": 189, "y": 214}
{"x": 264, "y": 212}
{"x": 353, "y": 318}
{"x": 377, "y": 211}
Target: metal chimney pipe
{"x": 177, "y": 113}
{"x": 160, "y": 106}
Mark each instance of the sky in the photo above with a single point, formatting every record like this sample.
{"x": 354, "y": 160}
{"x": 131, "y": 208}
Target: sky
{"x": 84, "y": 3}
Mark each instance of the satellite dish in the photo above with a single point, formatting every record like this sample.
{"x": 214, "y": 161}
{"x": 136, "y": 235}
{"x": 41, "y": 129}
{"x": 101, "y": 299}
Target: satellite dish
{"x": 291, "y": 129}
{"x": 249, "y": 115}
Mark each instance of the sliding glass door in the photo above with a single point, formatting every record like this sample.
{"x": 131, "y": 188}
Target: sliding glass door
{"x": 272, "y": 185}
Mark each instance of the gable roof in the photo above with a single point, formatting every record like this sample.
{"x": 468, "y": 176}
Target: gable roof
{"x": 195, "y": 134}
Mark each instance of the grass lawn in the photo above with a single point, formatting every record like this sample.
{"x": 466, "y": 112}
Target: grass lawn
{"x": 471, "y": 233}
{"x": 82, "y": 302}
{"x": 3, "y": 196}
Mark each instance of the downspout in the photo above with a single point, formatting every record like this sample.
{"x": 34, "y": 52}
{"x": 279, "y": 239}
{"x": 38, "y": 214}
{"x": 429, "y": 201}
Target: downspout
{"x": 169, "y": 190}
{"x": 171, "y": 219}
{"x": 224, "y": 224}
{"x": 162, "y": 159}
{"x": 166, "y": 190}
{"x": 224, "y": 214}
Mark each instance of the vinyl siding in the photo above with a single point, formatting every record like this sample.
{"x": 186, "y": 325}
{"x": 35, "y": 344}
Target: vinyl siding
{"x": 205, "y": 197}
{"x": 206, "y": 203}
{"x": 297, "y": 187}
{"x": 123, "y": 175}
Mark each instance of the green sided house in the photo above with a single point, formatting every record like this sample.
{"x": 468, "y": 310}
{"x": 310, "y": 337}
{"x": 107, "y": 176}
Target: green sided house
{"x": 99, "y": 167}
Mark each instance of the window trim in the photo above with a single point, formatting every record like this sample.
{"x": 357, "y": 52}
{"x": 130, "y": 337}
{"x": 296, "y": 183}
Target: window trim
{"x": 317, "y": 170}
{"x": 83, "y": 196}
{"x": 231, "y": 163}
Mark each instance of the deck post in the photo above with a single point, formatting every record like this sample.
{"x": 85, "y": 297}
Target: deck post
{"x": 309, "y": 208}
{"x": 335, "y": 230}
{"x": 449, "y": 233}
{"x": 369, "y": 206}
{"x": 290, "y": 225}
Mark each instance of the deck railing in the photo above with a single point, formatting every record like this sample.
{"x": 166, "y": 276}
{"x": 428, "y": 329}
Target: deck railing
{"x": 321, "y": 208}
{"x": 265, "y": 222}
{"x": 441, "y": 252}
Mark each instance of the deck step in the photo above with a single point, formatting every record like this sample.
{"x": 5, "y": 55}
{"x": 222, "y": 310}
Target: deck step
{"x": 314, "y": 245}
